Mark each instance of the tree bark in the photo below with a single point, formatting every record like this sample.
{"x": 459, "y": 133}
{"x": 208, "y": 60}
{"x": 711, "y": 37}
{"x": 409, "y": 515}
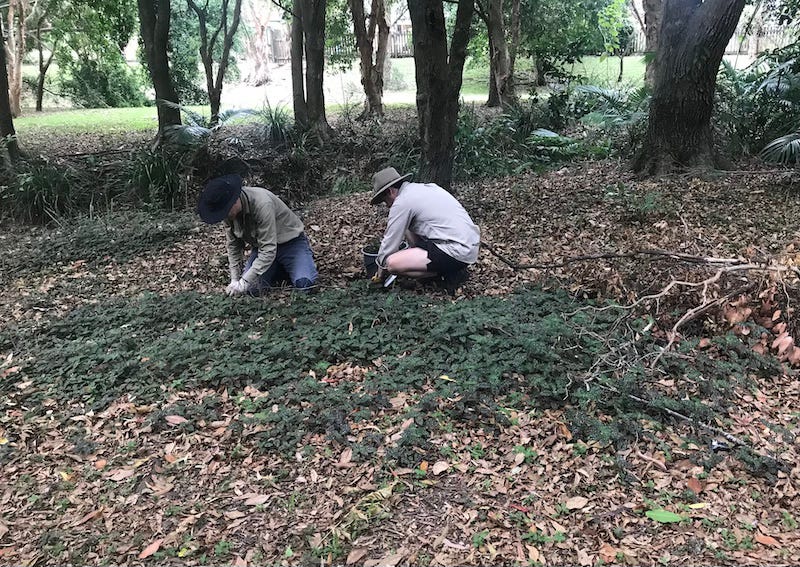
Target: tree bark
{"x": 15, "y": 51}
{"x": 7, "y": 131}
{"x": 43, "y": 65}
{"x": 313, "y": 16}
{"x": 653, "y": 13}
{"x": 154, "y": 17}
{"x": 298, "y": 80}
{"x": 208, "y": 46}
{"x": 694, "y": 35}
{"x": 257, "y": 45}
{"x": 439, "y": 76}
{"x": 371, "y": 72}
{"x": 503, "y": 77}
{"x": 494, "y": 97}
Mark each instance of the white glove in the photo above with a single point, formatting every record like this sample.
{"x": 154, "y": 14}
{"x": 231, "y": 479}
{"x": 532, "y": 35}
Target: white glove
{"x": 237, "y": 288}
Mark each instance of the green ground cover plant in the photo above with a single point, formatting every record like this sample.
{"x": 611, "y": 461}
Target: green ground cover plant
{"x": 534, "y": 348}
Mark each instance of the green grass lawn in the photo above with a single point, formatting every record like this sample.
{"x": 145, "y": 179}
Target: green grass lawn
{"x": 475, "y": 87}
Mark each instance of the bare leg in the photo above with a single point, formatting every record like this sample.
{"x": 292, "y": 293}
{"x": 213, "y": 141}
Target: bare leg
{"x": 412, "y": 262}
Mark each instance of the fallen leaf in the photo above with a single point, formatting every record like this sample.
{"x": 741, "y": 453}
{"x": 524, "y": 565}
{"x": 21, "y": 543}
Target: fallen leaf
{"x": 576, "y": 503}
{"x": 607, "y": 553}
{"x": 346, "y": 456}
{"x": 90, "y": 516}
{"x": 120, "y": 474}
{"x": 423, "y": 466}
{"x": 439, "y": 467}
{"x": 694, "y": 485}
{"x": 175, "y": 419}
{"x": 767, "y": 540}
{"x": 150, "y": 549}
{"x": 100, "y": 464}
{"x": 356, "y": 555}
{"x": 256, "y": 499}
{"x": 663, "y": 516}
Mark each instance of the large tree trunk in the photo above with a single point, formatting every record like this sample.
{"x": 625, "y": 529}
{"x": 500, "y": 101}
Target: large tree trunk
{"x": 7, "y": 131}
{"x": 371, "y": 72}
{"x": 693, "y": 38}
{"x": 208, "y": 46}
{"x": 439, "y": 77}
{"x": 501, "y": 61}
{"x": 298, "y": 77}
{"x": 313, "y": 16}
{"x": 653, "y": 12}
{"x": 154, "y": 22}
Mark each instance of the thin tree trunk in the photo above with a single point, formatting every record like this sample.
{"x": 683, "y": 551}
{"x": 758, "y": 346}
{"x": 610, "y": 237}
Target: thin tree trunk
{"x": 693, "y": 40}
{"x": 7, "y": 131}
{"x": 500, "y": 57}
{"x": 653, "y": 14}
{"x": 298, "y": 77}
{"x": 154, "y": 25}
{"x": 208, "y": 46}
{"x": 43, "y": 65}
{"x": 439, "y": 76}
{"x": 15, "y": 50}
{"x": 370, "y": 76}
{"x": 494, "y": 97}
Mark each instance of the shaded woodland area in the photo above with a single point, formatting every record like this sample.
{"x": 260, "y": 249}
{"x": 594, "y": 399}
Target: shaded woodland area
{"x": 616, "y": 383}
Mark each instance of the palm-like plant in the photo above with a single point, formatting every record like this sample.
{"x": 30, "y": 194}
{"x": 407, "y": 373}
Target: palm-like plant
{"x": 197, "y": 127}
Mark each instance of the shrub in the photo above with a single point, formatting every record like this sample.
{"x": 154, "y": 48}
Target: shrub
{"x": 101, "y": 81}
{"x": 39, "y": 192}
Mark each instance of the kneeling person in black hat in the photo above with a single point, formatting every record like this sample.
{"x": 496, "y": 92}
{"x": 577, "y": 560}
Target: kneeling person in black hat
{"x": 443, "y": 240}
{"x": 255, "y": 216}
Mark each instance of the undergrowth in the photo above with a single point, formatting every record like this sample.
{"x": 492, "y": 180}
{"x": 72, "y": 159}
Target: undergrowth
{"x": 531, "y": 349}
{"x": 121, "y": 236}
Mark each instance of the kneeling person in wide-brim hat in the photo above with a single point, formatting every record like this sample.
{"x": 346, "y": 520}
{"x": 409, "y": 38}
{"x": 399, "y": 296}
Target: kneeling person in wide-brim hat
{"x": 443, "y": 240}
{"x": 256, "y": 217}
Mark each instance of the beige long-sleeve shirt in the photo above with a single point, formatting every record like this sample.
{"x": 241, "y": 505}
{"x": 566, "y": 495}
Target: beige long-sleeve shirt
{"x": 264, "y": 222}
{"x": 429, "y": 211}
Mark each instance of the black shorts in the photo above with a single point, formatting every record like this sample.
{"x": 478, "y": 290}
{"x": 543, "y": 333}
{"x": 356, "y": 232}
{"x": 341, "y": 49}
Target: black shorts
{"x": 438, "y": 261}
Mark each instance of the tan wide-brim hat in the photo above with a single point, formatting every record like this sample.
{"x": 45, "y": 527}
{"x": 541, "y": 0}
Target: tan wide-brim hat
{"x": 384, "y": 179}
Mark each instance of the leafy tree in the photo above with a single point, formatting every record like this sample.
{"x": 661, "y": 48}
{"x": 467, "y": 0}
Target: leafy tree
{"x": 694, "y": 34}
{"x": 223, "y": 21}
{"x": 555, "y": 32}
{"x": 184, "y": 56}
{"x": 616, "y": 28}
{"x": 500, "y": 53}
{"x": 93, "y": 69}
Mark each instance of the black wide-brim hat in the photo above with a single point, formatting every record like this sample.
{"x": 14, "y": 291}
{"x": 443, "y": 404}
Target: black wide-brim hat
{"x": 218, "y": 197}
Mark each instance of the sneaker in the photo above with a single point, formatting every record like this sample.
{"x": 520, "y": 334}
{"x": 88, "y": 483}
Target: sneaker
{"x": 455, "y": 280}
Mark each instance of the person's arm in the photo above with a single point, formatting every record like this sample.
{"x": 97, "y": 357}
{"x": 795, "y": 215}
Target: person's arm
{"x": 267, "y": 239}
{"x": 399, "y": 221}
{"x": 235, "y": 248}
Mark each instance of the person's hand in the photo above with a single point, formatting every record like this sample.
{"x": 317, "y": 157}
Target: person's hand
{"x": 378, "y": 277}
{"x": 237, "y": 288}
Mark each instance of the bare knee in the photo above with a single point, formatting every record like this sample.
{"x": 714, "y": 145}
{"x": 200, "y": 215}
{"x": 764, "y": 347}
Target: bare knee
{"x": 392, "y": 264}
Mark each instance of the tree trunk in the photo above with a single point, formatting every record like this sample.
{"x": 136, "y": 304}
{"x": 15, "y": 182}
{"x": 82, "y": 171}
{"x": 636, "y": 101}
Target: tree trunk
{"x": 313, "y": 16}
{"x": 208, "y": 47}
{"x": 653, "y": 13}
{"x": 501, "y": 60}
{"x": 257, "y": 44}
{"x": 154, "y": 22}
{"x": 43, "y": 65}
{"x": 494, "y": 97}
{"x": 371, "y": 73}
{"x": 298, "y": 81}
{"x": 693, "y": 38}
{"x": 15, "y": 51}
{"x": 439, "y": 76}
{"x": 7, "y": 131}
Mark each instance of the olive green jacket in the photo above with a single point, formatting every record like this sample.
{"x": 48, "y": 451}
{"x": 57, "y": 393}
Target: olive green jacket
{"x": 264, "y": 222}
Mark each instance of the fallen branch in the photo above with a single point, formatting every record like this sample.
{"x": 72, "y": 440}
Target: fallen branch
{"x": 610, "y": 255}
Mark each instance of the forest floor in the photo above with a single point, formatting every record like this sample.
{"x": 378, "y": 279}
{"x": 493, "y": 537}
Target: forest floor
{"x": 147, "y": 418}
